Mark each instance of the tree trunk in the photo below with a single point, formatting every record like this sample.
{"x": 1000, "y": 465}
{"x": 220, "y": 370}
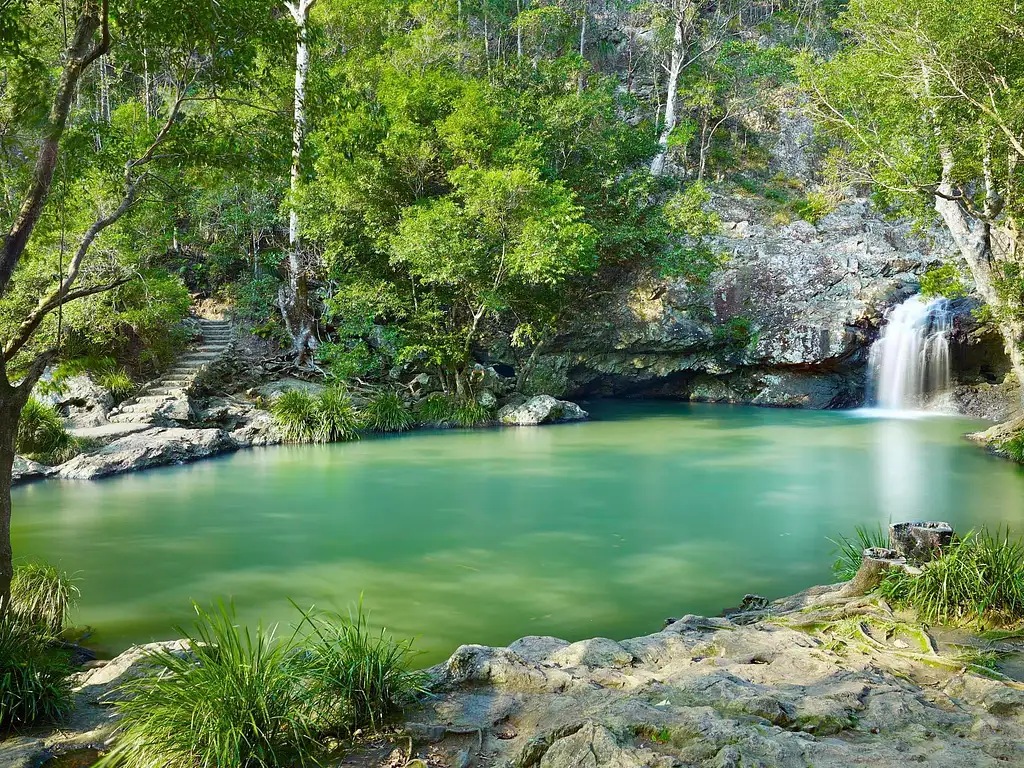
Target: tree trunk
{"x": 12, "y": 400}
{"x": 675, "y": 67}
{"x": 583, "y": 39}
{"x": 974, "y": 239}
{"x": 293, "y": 298}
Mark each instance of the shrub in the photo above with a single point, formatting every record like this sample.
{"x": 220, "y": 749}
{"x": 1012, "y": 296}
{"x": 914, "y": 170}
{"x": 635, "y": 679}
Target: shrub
{"x": 1014, "y": 447}
{"x": 336, "y": 419}
{"x": 34, "y": 683}
{"x": 358, "y": 678}
{"x": 117, "y": 381}
{"x": 470, "y": 413}
{"x": 850, "y": 551}
{"x": 42, "y": 436}
{"x": 436, "y": 409}
{"x": 980, "y": 578}
{"x": 325, "y": 418}
{"x": 386, "y": 412}
{"x": 237, "y": 699}
{"x": 42, "y": 597}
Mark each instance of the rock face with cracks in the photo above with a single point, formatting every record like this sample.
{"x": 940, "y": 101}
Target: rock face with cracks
{"x": 816, "y": 680}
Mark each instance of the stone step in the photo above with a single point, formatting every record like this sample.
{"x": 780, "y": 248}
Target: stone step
{"x": 169, "y": 390}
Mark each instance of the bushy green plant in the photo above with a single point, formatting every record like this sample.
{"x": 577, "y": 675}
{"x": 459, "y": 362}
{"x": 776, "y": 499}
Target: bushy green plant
{"x": 436, "y": 409}
{"x": 850, "y": 551}
{"x": 386, "y": 412}
{"x": 42, "y": 435}
{"x": 42, "y": 597}
{"x": 294, "y": 414}
{"x": 357, "y": 678}
{"x": 979, "y": 578}
{"x": 470, "y": 413}
{"x": 117, "y": 382}
{"x": 235, "y": 700}
{"x": 34, "y": 683}
{"x": 325, "y": 418}
{"x": 336, "y": 417}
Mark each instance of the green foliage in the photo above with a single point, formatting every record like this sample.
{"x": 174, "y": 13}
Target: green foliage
{"x": 236, "y": 699}
{"x": 357, "y": 678}
{"x": 944, "y": 280}
{"x": 255, "y": 300}
{"x": 327, "y": 417}
{"x": 436, "y": 409}
{"x": 979, "y": 579}
{"x": 42, "y": 436}
{"x": 737, "y": 333}
{"x": 34, "y": 677}
{"x": 386, "y": 412}
{"x": 42, "y": 597}
{"x": 1014, "y": 447}
{"x": 850, "y": 551}
{"x": 687, "y": 216}
{"x": 470, "y": 413}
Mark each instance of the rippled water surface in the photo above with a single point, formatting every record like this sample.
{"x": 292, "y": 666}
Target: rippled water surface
{"x": 604, "y": 528}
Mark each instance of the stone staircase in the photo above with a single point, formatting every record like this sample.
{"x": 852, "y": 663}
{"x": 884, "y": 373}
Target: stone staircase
{"x": 166, "y": 398}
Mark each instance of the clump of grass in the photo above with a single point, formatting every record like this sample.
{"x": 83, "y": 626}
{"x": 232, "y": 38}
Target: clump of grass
{"x": 117, "y": 381}
{"x": 358, "y": 678}
{"x": 34, "y": 683}
{"x": 325, "y": 418}
{"x": 849, "y": 551}
{"x": 436, "y": 409}
{"x": 42, "y": 597}
{"x": 236, "y": 700}
{"x": 470, "y": 413}
{"x": 386, "y": 412}
{"x": 42, "y": 436}
{"x": 979, "y": 579}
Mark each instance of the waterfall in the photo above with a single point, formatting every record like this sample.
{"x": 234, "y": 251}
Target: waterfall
{"x": 910, "y": 362}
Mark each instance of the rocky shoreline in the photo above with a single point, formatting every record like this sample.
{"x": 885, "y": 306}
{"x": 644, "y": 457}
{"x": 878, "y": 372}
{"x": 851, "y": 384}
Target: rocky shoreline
{"x": 820, "y": 678}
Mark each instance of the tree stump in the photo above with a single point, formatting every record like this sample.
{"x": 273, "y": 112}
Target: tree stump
{"x": 920, "y": 542}
{"x": 876, "y": 563}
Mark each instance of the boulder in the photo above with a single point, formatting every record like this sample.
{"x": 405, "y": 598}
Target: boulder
{"x": 26, "y": 470}
{"x": 258, "y": 429}
{"x": 85, "y": 403}
{"x": 541, "y": 409}
{"x": 152, "y": 448}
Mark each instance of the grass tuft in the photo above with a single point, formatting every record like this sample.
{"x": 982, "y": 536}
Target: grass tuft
{"x": 979, "y": 579}
{"x": 470, "y": 413}
{"x": 325, "y": 418}
{"x": 34, "y": 683}
{"x": 358, "y": 678}
{"x": 386, "y": 412}
{"x": 850, "y": 551}
{"x": 236, "y": 700}
{"x": 436, "y": 409}
{"x": 42, "y": 436}
{"x": 42, "y": 597}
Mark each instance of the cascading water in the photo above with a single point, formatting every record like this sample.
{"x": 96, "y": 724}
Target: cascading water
{"x": 910, "y": 362}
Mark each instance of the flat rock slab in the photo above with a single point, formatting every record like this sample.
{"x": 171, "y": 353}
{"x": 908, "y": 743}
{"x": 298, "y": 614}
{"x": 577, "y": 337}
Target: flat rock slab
{"x": 153, "y": 447}
{"x": 25, "y": 470}
{"x": 109, "y": 431}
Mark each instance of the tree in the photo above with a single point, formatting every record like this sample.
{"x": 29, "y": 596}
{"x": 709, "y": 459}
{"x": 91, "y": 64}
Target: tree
{"x": 142, "y": 156}
{"x": 294, "y": 295}
{"x": 82, "y": 50}
{"x": 927, "y": 101}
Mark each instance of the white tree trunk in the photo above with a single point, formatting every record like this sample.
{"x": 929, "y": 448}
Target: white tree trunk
{"x": 674, "y": 68}
{"x": 293, "y": 297}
